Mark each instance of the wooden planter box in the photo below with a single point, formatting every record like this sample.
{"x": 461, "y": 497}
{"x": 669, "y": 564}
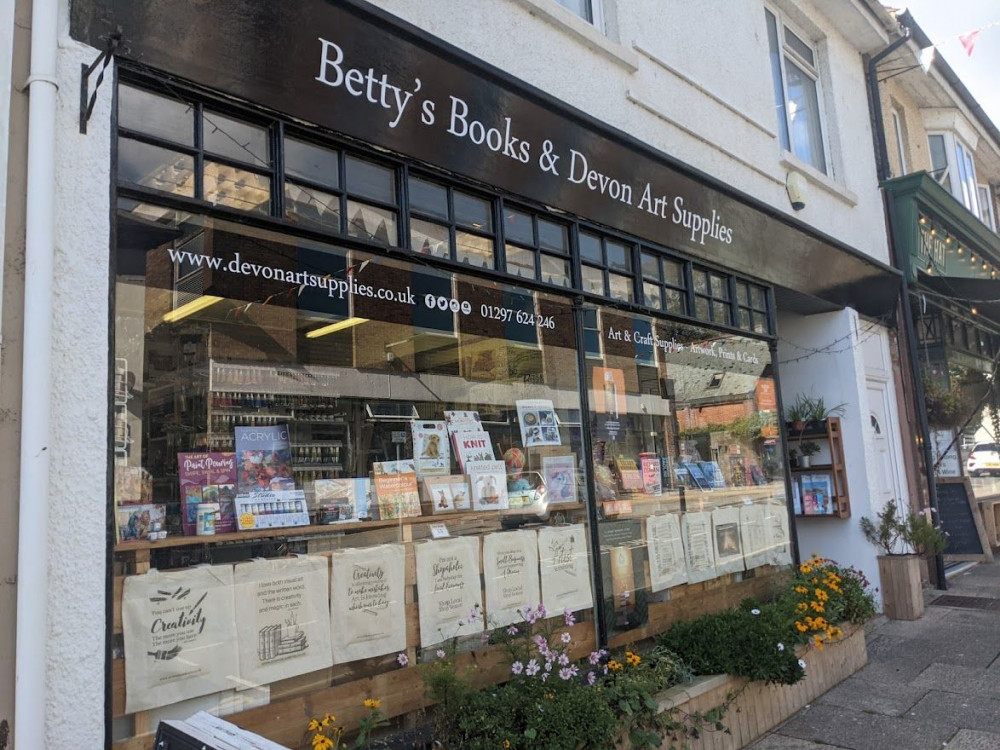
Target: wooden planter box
{"x": 760, "y": 707}
{"x": 902, "y": 598}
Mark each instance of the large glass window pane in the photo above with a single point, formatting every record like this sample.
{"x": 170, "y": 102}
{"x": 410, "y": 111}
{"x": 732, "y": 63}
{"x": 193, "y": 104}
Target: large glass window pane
{"x": 593, "y": 279}
{"x": 620, "y": 287}
{"x": 156, "y": 115}
{"x": 552, "y": 236}
{"x": 368, "y": 180}
{"x": 475, "y": 250}
{"x": 311, "y": 162}
{"x": 307, "y": 392}
{"x": 651, "y": 266}
{"x": 518, "y": 226}
{"x": 312, "y": 206}
{"x": 682, "y": 448}
{"x": 237, "y": 188}
{"x": 429, "y": 198}
{"x": 473, "y": 212}
{"x": 673, "y": 272}
{"x": 237, "y": 140}
{"x": 554, "y": 270}
{"x": 590, "y": 248}
{"x": 428, "y": 238}
{"x": 619, "y": 256}
{"x": 155, "y": 167}
{"x": 777, "y": 84}
{"x": 803, "y": 111}
{"x": 520, "y": 261}
{"x": 651, "y": 295}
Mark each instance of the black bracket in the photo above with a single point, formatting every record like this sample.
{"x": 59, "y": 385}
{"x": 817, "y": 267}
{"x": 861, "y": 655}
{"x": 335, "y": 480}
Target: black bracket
{"x": 88, "y": 99}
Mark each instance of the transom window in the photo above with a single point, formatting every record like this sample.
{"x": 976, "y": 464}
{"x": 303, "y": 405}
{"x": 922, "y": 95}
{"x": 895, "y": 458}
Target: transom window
{"x": 536, "y": 247}
{"x": 606, "y": 267}
{"x": 712, "y": 300}
{"x": 751, "y": 306}
{"x": 795, "y": 79}
{"x": 450, "y": 223}
{"x": 663, "y": 283}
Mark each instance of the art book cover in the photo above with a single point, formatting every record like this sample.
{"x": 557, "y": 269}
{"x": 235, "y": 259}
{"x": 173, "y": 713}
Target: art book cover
{"x": 537, "y": 418}
{"x": 404, "y": 466}
{"x": 349, "y": 496}
{"x": 472, "y": 446}
{"x": 559, "y": 475}
{"x": 207, "y": 478}
{"x": 652, "y": 476}
{"x": 488, "y": 480}
{"x": 397, "y": 495}
{"x": 136, "y": 521}
{"x": 133, "y": 484}
{"x": 264, "y": 456}
{"x": 463, "y": 421}
{"x": 629, "y": 474}
{"x": 431, "y": 451}
{"x": 817, "y": 492}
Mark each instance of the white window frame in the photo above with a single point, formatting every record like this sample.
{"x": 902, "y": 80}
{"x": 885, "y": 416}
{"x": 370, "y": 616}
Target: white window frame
{"x": 986, "y": 212}
{"x": 596, "y": 8}
{"x": 812, "y": 71}
{"x": 897, "y": 126}
{"x": 960, "y": 171}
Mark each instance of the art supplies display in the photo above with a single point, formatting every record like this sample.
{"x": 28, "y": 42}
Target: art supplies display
{"x": 282, "y": 618}
{"x": 431, "y": 449}
{"x": 488, "y": 482}
{"x": 207, "y": 478}
{"x": 178, "y": 634}
{"x": 667, "y": 566}
{"x": 446, "y": 494}
{"x": 448, "y": 589}
{"x": 267, "y": 496}
{"x": 727, "y": 539}
{"x": 537, "y": 419}
{"x": 564, "y": 562}
{"x": 559, "y": 475}
{"x": 367, "y": 612}
{"x": 342, "y": 500}
{"x": 699, "y": 548}
{"x": 510, "y": 575}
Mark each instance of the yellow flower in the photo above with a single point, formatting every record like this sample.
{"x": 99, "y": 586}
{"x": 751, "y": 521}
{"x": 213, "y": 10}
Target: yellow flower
{"x": 802, "y": 607}
{"x": 818, "y": 642}
{"x": 632, "y": 659}
{"x": 372, "y": 703}
{"x": 805, "y": 568}
{"x": 814, "y": 580}
{"x": 614, "y": 666}
{"x": 326, "y": 721}
{"x": 798, "y": 626}
{"x": 821, "y": 595}
{"x": 322, "y": 742}
{"x": 817, "y": 607}
{"x": 801, "y": 590}
{"x": 313, "y": 725}
{"x": 506, "y": 743}
{"x": 551, "y": 696}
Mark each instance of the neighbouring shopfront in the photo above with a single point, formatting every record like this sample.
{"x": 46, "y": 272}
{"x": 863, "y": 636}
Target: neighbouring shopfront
{"x": 397, "y": 339}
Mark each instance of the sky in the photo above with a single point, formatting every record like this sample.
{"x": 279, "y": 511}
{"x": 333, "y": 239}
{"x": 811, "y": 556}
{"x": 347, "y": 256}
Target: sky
{"x": 943, "y": 21}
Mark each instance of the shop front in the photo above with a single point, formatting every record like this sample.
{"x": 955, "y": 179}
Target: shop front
{"x": 403, "y": 348}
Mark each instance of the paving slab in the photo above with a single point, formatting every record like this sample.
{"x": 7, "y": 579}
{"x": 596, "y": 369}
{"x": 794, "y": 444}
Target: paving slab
{"x": 965, "y": 711}
{"x": 780, "y": 742}
{"x": 861, "y": 694}
{"x": 953, "y": 678}
{"x": 856, "y": 730}
{"x": 970, "y": 739}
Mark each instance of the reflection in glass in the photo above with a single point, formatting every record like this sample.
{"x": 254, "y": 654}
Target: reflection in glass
{"x": 620, "y": 287}
{"x": 593, "y": 280}
{"x": 320, "y": 165}
{"x": 428, "y": 198}
{"x": 555, "y": 270}
{"x": 428, "y": 238}
{"x": 237, "y": 188}
{"x": 368, "y": 180}
{"x": 517, "y": 226}
{"x": 311, "y": 206}
{"x": 803, "y": 113}
{"x": 237, "y": 140}
{"x": 520, "y": 262}
{"x": 552, "y": 236}
{"x": 590, "y": 248}
{"x": 152, "y": 114}
{"x": 155, "y": 167}
{"x": 473, "y": 212}
{"x": 474, "y": 250}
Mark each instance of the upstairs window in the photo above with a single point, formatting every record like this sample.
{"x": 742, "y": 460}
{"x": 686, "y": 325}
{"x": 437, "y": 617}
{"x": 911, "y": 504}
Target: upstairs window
{"x": 952, "y": 165}
{"x": 795, "y": 78}
{"x": 589, "y": 10}
{"x": 986, "y": 207}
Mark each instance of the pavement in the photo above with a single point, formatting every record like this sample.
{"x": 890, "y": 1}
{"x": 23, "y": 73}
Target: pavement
{"x": 929, "y": 683}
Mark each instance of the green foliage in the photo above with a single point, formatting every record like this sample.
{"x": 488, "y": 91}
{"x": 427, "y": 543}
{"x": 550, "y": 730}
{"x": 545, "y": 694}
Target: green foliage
{"x": 809, "y": 448}
{"x": 808, "y": 409}
{"x": 945, "y": 406}
{"x": 892, "y": 533}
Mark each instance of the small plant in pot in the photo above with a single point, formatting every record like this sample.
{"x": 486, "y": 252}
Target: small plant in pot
{"x": 902, "y": 540}
{"x": 809, "y": 449}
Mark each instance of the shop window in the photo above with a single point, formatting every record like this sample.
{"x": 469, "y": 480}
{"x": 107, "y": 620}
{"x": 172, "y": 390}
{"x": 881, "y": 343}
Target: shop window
{"x": 751, "y": 302}
{"x": 986, "y": 210}
{"x": 897, "y": 129}
{"x": 536, "y": 247}
{"x": 312, "y": 185}
{"x": 450, "y": 223}
{"x": 953, "y": 166}
{"x": 606, "y": 267}
{"x": 663, "y": 284}
{"x": 711, "y": 296}
{"x": 795, "y": 79}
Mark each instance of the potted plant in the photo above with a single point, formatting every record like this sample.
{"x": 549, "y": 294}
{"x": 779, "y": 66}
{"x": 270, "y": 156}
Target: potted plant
{"x": 902, "y": 541}
{"x": 809, "y": 449}
{"x": 798, "y": 413}
{"x": 819, "y": 412}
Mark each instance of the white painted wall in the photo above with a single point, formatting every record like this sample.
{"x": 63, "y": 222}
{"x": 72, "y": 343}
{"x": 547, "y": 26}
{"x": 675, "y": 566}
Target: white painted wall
{"x": 691, "y": 78}
{"x": 838, "y": 375}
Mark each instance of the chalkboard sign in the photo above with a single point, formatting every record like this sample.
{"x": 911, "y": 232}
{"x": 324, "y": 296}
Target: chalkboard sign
{"x": 960, "y": 519}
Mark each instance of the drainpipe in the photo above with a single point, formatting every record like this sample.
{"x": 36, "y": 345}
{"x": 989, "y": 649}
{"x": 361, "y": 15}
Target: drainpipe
{"x": 39, "y": 248}
{"x": 909, "y": 331}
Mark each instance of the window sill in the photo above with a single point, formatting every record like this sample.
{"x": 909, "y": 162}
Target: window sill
{"x": 584, "y": 32}
{"x": 817, "y": 178}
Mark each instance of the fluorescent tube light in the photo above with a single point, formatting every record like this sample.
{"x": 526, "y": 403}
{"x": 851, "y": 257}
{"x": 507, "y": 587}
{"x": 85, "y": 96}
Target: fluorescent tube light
{"x": 190, "y": 308}
{"x": 340, "y": 325}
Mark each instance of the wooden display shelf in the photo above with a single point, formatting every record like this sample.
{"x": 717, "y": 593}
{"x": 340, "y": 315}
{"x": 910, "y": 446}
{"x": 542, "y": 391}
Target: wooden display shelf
{"x": 832, "y": 436}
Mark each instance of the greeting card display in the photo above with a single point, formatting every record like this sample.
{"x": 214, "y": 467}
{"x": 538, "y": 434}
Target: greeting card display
{"x": 559, "y": 475}
{"x": 178, "y": 631}
{"x": 207, "y": 478}
{"x": 666, "y": 551}
{"x": 472, "y": 446}
{"x": 488, "y": 481}
{"x": 565, "y": 568}
{"x": 397, "y": 495}
{"x": 282, "y": 618}
{"x": 537, "y": 418}
{"x": 727, "y": 540}
{"x": 431, "y": 451}
{"x": 368, "y": 617}
{"x": 510, "y": 572}
{"x": 448, "y": 589}
{"x": 266, "y": 493}
{"x": 699, "y": 549}
{"x": 446, "y": 494}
